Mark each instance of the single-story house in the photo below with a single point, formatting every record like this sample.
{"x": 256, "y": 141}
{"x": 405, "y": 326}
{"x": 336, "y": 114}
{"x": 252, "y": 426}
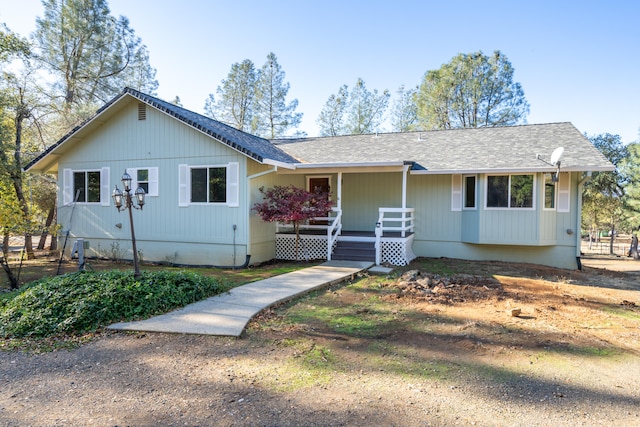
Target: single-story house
{"x": 480, "y": 194}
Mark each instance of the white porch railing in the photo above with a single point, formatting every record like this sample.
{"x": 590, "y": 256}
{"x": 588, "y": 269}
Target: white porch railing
{"x": 402, "y": 216}
{"x": 333, "y": 231}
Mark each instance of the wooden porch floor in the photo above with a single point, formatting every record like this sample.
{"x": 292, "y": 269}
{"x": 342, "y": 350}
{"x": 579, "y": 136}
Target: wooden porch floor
{"x": 344, "y": 233}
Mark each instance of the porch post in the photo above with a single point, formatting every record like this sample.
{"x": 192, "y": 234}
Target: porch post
{"x": 339, "y": 196}
{"x": 405, "y": 170}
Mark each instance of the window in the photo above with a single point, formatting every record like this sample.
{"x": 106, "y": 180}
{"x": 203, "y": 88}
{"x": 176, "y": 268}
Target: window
{"x": 510, "y": 191}
{"x": 142, "y": 179}
{"x": 147, "y": 178}
{"x": 86, "y": 186}
{"x": 469, "y": 192}
{"x": 549, "y": 191}
{"x": 208, "y": 184}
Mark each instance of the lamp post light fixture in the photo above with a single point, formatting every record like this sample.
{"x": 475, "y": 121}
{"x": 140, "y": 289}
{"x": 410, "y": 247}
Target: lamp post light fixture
{"x": 125, "y": 201}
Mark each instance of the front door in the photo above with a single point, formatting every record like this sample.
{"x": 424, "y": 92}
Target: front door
{"x": 321, "y": 184}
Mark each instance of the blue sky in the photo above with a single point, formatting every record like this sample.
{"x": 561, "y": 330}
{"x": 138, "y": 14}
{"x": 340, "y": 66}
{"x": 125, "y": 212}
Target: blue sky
{"x": 577, "y": 61}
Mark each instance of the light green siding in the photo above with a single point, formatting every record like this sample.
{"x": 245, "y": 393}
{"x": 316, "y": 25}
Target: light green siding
{"x": 200, "y": 235}
{"x": 364, "y": 193}
{"x": 430, "y": 195}
{"x": 534, "y": 235}
{"x": 263, "y": 233}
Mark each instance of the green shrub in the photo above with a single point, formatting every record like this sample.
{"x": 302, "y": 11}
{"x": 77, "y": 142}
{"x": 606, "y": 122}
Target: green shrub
{"x": 80, "y": 302}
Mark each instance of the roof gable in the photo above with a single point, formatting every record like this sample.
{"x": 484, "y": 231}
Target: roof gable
{"x": 251, "y": 146}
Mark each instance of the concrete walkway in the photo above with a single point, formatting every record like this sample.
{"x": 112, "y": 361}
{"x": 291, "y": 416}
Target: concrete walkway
{"x": 229, "y": 313}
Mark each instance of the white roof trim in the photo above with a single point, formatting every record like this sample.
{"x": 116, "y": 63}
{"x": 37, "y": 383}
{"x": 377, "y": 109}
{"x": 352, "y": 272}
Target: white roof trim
{"x": 347, "y": 165}
{"x": 510, "y": 170}
{"x": 279, "y": 164}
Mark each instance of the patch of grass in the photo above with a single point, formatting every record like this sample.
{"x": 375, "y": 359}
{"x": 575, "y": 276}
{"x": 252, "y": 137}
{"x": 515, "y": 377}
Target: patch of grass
{"x": 311, "y": 365}
{"x": 401, "y": 360}
{"x": 592, "y": 351}
{"x": 445, "y": 267}
{"x": 627, "y": 313}
{"x": 356, "y": 320}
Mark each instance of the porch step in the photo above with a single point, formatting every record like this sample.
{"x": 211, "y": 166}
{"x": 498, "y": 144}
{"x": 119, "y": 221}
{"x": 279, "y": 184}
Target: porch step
{"x": 354, "y": 251}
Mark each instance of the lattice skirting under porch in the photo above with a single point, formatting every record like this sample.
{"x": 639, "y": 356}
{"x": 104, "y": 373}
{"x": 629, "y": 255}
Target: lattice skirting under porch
{"x": 309, "y": 247}
{"x": 397, "y": 251}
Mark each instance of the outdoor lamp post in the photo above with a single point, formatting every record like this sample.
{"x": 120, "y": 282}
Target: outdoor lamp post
{"x": 125, "y": 201}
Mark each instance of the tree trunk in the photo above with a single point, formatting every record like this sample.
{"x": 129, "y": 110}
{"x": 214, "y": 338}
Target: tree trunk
{"x": 16, "y": 172}
{"x": 45, "y": 233}
{"x": 4, "y": 260}
{"x": 611, "y": 239}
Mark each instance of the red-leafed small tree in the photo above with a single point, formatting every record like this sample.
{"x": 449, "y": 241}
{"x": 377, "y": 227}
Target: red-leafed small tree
{"x": 290, "y": 204}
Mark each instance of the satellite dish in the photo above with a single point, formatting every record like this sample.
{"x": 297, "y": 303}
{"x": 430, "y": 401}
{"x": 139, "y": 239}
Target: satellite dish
{"x": 555, "y": 156}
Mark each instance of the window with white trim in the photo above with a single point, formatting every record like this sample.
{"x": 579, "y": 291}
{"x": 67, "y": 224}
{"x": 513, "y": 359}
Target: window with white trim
{"x": 147, "y": 178}
{"x": 510, "y": 191}
{"x": 86, "y": 186}
{"x": 549, "y": 192}
{"x": 211, "y": 184}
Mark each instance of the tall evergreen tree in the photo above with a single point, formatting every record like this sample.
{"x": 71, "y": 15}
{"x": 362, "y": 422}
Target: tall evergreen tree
{"x": 404, "y": 111}
{"x": 366, "y": 109}
{"x": 91, "y": 54}
{"x": 331, "y": 119}
{"x": 356, "y": 112}
{"x": 236, "y": 97}
{"x": 630, "y": 168}
{"x": 273, "y": 116}
{"x": 604, "y": 195}
{"x": 473, "y": 90}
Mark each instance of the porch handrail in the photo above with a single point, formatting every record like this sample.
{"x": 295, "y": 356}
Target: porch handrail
{"x": 331, "y": 222}
{"x": 406, "y": 219}
{"x": 333, "y": 231}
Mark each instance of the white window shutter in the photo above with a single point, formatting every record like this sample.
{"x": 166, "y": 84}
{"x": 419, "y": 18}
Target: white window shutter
{"x": 564, "y": 190}
{"x": 105, "y": 197}
{"x": 456, "y": 192}
{"x": 153, "y": 182}
{"x": 67, "y": 186}
{"x": 233, "y": 185}
{"x": 183, "y": 185}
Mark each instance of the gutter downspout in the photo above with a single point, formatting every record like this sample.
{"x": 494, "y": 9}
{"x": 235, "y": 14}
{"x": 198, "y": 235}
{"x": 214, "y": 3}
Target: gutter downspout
{"x": 581, "y": 184}
{"x": 248, "y": 200}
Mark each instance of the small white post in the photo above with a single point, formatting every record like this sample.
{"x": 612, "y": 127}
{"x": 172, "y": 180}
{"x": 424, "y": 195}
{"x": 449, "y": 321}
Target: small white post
{"x": 378, "y": 242}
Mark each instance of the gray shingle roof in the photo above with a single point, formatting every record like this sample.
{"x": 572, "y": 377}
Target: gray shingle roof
{"x": 444, "y": 151}
{"x": 478, "y": 149}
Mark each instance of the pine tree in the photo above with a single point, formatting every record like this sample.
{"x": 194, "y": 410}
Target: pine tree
{"x": 356, "y": 112}
{"x": 473, "y": 90}
{"x": 90, "y": 54}
{"x": 273, "y": 116}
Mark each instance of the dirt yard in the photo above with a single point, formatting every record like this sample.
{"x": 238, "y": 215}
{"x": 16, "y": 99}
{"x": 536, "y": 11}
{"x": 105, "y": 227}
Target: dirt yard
{"x": 436, "y": 346}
